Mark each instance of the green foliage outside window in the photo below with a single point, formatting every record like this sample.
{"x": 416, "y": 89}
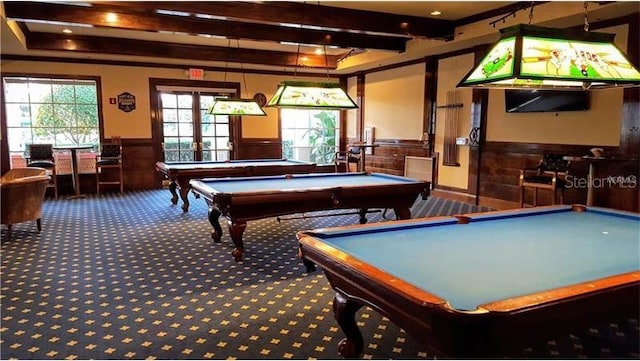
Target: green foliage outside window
{"x": 322, "y": 138}
{"x": 69, "y": 114}
{"x": 287, "y": 149}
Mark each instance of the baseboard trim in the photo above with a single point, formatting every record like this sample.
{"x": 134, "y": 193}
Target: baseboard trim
{"x": 453, "y": 195}
{"x": 497, "y": 204}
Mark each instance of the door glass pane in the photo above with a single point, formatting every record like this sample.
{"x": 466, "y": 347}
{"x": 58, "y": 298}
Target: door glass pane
{"x": 169, "y": 100}
{"x": 177, "y": 126}
{"x": 170, "y": 129}
{"x": 222, "y": 155}
{"x": 185, "y": 129}
{"x": 182, "y": 125}
{"x": 185, "y": 101}
{"x": 170, "y": 115}
{"x": 222, "y": 143}
{"x": 185, "y": 116}
{"x": 186, "y": 156}
{"x": 222, "y": 129}
{"x": 213, "y": 127}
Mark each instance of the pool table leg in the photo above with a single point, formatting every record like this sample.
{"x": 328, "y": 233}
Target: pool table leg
{"x": 216, "y": 234}
{"x": 363, "y": 215}
{"x": 184, "y": 195}
{"x": 345, "y": 310}
{"x": 174, "y": 195}
{"x": 236, "y": 229}
{"x": 402, "y": 213}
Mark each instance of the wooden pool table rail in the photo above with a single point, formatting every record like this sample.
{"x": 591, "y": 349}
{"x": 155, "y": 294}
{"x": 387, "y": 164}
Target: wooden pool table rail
{"x": 243, "y": 207}
{"x": 499, "y": 329}
{"x": 179, "y": 177}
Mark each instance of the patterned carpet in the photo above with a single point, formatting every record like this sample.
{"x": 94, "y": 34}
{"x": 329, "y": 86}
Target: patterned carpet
{"x": 131, "y": 277}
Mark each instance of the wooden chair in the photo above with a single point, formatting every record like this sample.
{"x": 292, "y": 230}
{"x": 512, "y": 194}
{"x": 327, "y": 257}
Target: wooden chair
{"x": 110, "y": 157}
{"x": 41, "y": 156}
{"x": 22, "y": 196}
{"x": 352, "y": 156}
{"x": 550, "y": 174}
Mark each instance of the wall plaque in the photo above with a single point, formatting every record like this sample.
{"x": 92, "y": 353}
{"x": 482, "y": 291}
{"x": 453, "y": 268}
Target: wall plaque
{"x": 126, "y": 102}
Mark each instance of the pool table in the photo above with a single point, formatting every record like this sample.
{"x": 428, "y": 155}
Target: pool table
{"x": 249, "y": 198}
{"x": 180, "y": 173}
{"x": 484, "y": 285}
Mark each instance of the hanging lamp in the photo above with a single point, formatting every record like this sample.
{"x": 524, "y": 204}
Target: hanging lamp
{"x": 300, "y": 94}
{"x": 528, "y": 56}
{"x": 229, "y": 106}
{"x": 311, "y": 95}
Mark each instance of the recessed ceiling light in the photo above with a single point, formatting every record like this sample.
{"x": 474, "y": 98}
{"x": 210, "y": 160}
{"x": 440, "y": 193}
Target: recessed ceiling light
{"x": 436, "y": 13}
{"x": 111, "y": 17}
{"x": 67, "y": 31}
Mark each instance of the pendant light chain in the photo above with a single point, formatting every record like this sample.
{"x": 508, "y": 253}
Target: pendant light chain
{"x": 324, "y": 50}
{"x": 326, "y": 60}
{"x": 226, "y": 65}
{"x": 586, "y": 16}
{"x": 244, "y": 80}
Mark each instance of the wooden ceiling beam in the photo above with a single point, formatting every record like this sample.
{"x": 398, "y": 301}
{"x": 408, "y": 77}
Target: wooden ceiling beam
{"x": 97, "y": 16}
{"x": 131, "y": 47}
{"x": 307, "y": 14}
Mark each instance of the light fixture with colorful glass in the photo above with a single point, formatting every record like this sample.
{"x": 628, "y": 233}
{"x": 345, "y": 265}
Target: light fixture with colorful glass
{"x": 231, "y": 106}
{"x": 530, "y": 56}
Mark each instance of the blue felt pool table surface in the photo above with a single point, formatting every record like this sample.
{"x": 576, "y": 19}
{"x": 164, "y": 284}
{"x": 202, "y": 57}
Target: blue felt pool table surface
{"x": 302, "y": 182}
{"x": 496, "y": 257}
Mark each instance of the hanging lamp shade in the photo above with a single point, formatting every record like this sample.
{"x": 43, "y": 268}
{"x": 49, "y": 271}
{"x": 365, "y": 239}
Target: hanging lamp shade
{"x": 235, "y": 107}
{"x": 298, "y": 94}
{"x": 529, "y": 56}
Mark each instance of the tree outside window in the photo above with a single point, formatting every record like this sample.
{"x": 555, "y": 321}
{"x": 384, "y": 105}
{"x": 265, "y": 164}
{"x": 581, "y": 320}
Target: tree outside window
{"x": 310, "y": 135}
{"x": 46, "y": 110}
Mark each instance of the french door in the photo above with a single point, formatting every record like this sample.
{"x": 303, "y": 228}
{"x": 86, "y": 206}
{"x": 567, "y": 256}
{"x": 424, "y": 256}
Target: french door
{"x": 188, "y": 133}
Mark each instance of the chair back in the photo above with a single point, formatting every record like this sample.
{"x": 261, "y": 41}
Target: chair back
{"x": 40, "y": 152}
{"x": 553, "y": 163}
{"x": 110, "y": 151}
{"x": 355, "y": 150}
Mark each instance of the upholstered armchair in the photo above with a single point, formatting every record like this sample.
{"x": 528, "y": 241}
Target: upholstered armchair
{"x": 22, "y": 196}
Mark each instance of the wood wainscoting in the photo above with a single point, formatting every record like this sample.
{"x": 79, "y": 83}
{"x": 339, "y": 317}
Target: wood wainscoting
{"x": 501, "y": 162}
{"x": 388, "y": 156}
{"x": 254, "y": 148}
{"x": 138, "y": 165}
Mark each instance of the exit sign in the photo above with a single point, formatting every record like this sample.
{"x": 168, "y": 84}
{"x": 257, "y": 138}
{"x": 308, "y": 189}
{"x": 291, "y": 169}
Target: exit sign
{"x": 196, "y": 74}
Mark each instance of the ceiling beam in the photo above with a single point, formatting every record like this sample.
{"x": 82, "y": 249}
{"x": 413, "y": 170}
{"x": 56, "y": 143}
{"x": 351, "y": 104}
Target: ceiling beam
{"x": 133, "y": 47}
{"x": 307, "y": 14}
{"x": 136, "y": 20}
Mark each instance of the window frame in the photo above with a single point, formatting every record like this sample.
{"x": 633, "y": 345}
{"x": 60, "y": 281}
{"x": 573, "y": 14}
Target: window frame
{"x": 3, "y": 104}
{"x": 338, "y": 130}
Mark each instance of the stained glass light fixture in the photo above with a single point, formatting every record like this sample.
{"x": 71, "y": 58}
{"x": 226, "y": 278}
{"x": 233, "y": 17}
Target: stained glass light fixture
{"x": 311, "y": 95}
{"x": 230, "y": 106}
{"x": 528, "y": 56}
{"x": 223, "y": 106}
{"x": 297, "y": 94}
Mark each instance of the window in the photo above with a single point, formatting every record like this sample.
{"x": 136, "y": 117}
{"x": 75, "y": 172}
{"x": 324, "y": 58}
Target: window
{"x": 310, "y": 135}
{"x": 47, "y": 110}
